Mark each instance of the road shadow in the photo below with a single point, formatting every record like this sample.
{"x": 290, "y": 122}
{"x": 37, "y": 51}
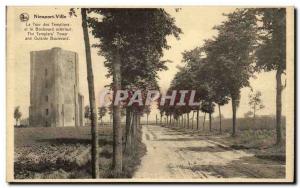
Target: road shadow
{"x": 172, "y": 134}
{"x": 179, "y": 139}
{"x": 204, "y": 149}
{"x": 242, "y": 168}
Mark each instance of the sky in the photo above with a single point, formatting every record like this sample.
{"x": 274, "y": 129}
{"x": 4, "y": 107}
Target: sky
{"x": 196, "y": 23}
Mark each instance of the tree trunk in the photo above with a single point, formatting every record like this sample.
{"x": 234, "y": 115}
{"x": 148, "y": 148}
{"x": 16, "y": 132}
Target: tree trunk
{"x": 138, "y": 126}
{"x": 234, "y": 105}
{"x": 254, "y": 114}
{"x": 139, "y": 118}
{"x": 278, "y": 107}
{"x": 133, "y": 129}
{"x": 167, "y": 121}
{"x": 197, "y": 119}
{"x": 182, "y": 123}
{"x": 161, "y": 117}
{"x": 188, "y": 120}
{"x": 90, "y": 78}
{"x": 117, "y": 129}
{"x": 127, "y": 129}
{"x": 209, "y": 122}
{"x": 131, "y": 132}
{"x": 147, "y": 119}
{"x": 127, "y": 120}
{"x": 136, "y": 122}
{"x": 193, "y": 120}
{"x": 220, "y": 118}
{"x": 254, "y": 111}
{"x": 204, "y": 121}
{"x": 110, "y": 117}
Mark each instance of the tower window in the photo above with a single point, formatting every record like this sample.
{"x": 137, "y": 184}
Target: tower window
{"x": 47, "y": 111}
{"x": 46, "y": 98}
{"x": 46, "y": 72}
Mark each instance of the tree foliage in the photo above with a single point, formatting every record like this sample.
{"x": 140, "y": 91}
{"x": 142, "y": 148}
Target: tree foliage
{"x": 222, "y": 66}
{"x": 140, "y": 36}
{"x": 271, "y": 52}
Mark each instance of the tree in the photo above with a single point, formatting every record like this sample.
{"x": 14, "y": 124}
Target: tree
{"x": 234, "y": 48}
{"x": 205, "y": 79}
{"x": 194, "y": 61}
{"x": 221, "y": 100}
{"x": 110, "y": 113}
{"x": 271, "y": 53}
{"x": 255, "y": 102}
{"x": 182, "y": 81}
{"x": 117, "y": 133}
{"x": 208, "y": 107}
{"x": 17, "y": 114}
{"x": 90, "y": 78}
{"x": 222, "y": 66}
{"x": 101, "y": 113}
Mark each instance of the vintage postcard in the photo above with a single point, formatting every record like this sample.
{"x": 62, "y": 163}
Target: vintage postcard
{"x": 150, "y": 94}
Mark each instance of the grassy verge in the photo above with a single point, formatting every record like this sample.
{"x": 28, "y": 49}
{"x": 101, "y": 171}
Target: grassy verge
{"x": 258, "y": 138}
{"x": 259, "y": 142}
{"x": 267, "y": 161}
{"x": 64, "y": 152}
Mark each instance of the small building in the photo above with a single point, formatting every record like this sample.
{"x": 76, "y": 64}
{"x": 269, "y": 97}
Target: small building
{"x": 55, "y": 100}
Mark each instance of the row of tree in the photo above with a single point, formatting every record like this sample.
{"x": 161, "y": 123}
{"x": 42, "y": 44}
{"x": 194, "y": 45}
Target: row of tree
{"x": 176, "y": 115}
{"x": 132, "y": 42}
{"x": 249, "y": 41}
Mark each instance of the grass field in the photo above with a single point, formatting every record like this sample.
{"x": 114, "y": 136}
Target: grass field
{"x": 64, "y": 152}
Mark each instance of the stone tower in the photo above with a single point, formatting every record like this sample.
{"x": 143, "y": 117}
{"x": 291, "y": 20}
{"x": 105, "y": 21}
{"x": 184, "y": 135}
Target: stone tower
{"x": 54, "y": 95}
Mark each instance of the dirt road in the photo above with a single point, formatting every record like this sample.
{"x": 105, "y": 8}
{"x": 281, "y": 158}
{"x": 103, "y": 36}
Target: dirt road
{"x": 175, "y": 155}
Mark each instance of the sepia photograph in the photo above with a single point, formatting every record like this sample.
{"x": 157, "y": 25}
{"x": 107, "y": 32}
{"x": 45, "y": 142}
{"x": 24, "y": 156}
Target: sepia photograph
{"x": 192, "y": 94}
